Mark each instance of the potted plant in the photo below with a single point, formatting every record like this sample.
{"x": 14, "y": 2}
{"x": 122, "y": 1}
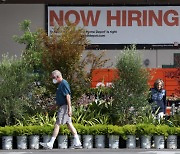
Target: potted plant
{"x": 99, "y": 131}
{"x": 63, "y": 137}
{"x": 130, "y": 135}
{"x": 21, "y": 133}
{"x": 86, "y": 136}
{"x": 114, "y": 133}
{"x": 145, "y": 132}
{"x": 172, "y": 138}
{"x": 45, "y": 131}
{"x": 34, "y": 132}
{"x": 7, "y": 137}
{"x": 160, "y": 134}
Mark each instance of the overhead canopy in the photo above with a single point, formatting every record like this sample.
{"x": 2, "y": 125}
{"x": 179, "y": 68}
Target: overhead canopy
{"x": 93, "y": 2}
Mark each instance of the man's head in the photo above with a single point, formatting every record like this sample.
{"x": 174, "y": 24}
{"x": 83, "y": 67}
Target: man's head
{"x": 57, "y": 76}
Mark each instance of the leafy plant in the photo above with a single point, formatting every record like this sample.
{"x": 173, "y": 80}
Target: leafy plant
{"x": 115, "y": 130}
{"x": 130, "y": 90}
{"x": 161, "y": 130}
{"x": 7, "y": 131}
{"x": 129, "y": 129}
{"x": 64, "y": 130}
{"x": 145, "y": 129}
{"x": 99, "y": 130}
{"x": 172, "y": 131}
{"x": 16, "y": 82}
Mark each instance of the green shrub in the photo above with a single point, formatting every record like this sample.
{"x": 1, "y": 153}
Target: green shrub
{"x": 63, "y": 130}
{"x": 129, "y": 129}
{"x": 21, "y": 130}
{"x": 115, "y": 130}
{"x": 130, "y": 90}
{"x": 83, "y": 130}
{"x": 7, "y": 131}
{"x": 98, "y": 130}
{"x": 145, "y": 129}
{"x": 172, "y": 130}
{"x": 16, "y": 82}
{"x": 161, "y": 130}
{"x": 178, "y": 131}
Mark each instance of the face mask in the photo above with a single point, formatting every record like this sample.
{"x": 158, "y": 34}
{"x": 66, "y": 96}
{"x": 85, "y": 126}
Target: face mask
{"x": 54, "y": 81}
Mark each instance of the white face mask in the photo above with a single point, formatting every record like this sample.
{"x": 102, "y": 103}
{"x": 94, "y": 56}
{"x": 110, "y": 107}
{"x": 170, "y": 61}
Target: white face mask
{"x": 54, "y": 81}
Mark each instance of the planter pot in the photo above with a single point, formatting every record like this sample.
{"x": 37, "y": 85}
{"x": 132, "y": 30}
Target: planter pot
{"x": 131, "y": 141}
{"x": 7, "y": 142}
{"x": 22, "y": 142}
{"x": 88, "y": 141}
{"x": 114, "y": 141}
{"x": 34, "y": 142}
{"x": 99, "y": 141}
{"x": 145, "y": 142}
{"x": 72, "y": 140}
{"x": 172, "y": 142}
{"x": 159, "y": 141}
{"x": 46, "y": 138}
{"x": 62, "y": 141}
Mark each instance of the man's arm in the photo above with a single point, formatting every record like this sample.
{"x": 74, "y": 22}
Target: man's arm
{"x": 68, "y": 98}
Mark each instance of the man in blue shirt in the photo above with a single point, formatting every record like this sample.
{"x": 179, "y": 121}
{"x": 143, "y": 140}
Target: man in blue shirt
{"x": 63, "y": 101}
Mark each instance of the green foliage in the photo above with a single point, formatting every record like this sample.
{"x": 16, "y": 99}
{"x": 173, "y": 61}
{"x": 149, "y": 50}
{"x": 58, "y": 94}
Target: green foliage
{"x": 99, "y": 130}
{"x": 161, "y": 130}
{"x": 138, "y": 130}
{"x": 20, "y": 130}
{"x": 175, "y": 119}
{"x": 115, "y": 130}
{"x": 130, "y": 89}
{"x": 37, "y": 119}
{"x": 63, "y": 52}
{"x": 129, "y": 129}
{"x": 82, "y": 130}
{"x": 7, "y": 131}
{"x": 16, "y": 82}
{"x": 64, "y": 130}
{"x": 172, "y": 131}
{"x": 145, "y": 129}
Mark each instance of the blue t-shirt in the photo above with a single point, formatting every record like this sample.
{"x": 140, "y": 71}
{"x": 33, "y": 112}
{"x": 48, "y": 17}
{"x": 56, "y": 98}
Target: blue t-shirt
{"x": 62, "y": 90}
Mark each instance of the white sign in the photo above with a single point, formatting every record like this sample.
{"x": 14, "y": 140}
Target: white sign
{"x": 121, "y": 25}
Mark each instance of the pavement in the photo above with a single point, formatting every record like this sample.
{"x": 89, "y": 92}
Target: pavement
{"x": 92, "y": 151}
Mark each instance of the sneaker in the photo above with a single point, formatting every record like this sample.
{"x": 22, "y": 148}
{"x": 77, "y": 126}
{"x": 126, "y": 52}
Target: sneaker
{"x": 46, "y": 145}
{"x": 76, "y": 147}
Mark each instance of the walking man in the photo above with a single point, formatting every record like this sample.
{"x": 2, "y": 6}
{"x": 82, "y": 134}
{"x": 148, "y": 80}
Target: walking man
{"x": 63, "y": 101}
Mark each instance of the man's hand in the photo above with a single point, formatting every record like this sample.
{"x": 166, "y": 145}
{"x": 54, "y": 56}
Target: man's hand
{"x": 69, "y": 112}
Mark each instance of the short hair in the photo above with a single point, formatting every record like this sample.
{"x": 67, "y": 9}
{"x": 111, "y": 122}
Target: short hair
{"x": 56, "y": 73}
{"x": 157, "y": 82}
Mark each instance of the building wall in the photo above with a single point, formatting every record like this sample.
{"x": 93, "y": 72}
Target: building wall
{"x": 12, "y": 14}
{"x": 157, "y": 58}
{"x": 10, "y": 17}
